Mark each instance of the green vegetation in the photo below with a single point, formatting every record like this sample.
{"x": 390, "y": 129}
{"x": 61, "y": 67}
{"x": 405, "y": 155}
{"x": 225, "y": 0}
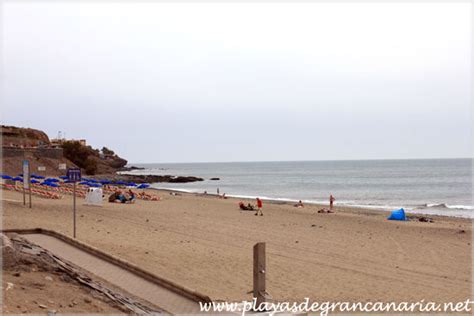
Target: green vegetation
{"x": 89, "y": 159}
{"x": 81, "y": 155}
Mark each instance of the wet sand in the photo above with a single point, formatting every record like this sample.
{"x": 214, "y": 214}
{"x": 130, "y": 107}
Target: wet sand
{"x": 205, "y": 243}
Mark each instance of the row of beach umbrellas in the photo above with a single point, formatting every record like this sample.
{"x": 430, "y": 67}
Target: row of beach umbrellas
{"x": 54, "y": 182}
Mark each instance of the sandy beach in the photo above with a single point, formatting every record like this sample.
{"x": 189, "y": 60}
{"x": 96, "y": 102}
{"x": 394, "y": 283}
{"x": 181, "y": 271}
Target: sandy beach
{"x": 205, "y": 243}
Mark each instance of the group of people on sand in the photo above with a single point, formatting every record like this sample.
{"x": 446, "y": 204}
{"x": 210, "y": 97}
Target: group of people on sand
{"x": 223, "y": 196}
{"x": 331, "y": 203}
{"x": 258, "y": 208}
{"x": 119, "y": 197}
{"x": 250, "y": 207}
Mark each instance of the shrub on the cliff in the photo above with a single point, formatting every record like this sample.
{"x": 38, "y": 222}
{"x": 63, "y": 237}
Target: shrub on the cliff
{"x": 75, "y": 152}
{"x": 107, "y": 151}
{"x": 90, "y": 166}
{"x": 88, "y": 159}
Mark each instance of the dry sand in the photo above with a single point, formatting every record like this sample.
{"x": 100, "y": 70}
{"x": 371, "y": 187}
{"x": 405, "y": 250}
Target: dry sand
{"x": 205, "y": 243}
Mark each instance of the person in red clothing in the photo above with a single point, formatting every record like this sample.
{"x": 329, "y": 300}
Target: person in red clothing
{"x": 331, "y": 201}
{"x": 259, "y": 207}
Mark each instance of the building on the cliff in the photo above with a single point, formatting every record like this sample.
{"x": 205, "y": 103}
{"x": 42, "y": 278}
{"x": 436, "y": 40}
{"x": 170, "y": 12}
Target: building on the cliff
{"x": 58, "y": 142}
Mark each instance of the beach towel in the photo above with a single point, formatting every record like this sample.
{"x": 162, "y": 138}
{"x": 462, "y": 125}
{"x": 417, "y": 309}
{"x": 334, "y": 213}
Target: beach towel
{"x": 397, "y": 215}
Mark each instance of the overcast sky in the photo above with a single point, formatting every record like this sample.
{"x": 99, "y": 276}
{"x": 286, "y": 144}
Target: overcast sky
{"x": 162, "y": 82}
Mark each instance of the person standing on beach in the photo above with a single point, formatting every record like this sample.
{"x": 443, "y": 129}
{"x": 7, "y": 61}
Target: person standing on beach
{"x": 259, "y": 207}
{"x": 331, "y": 201}
{"x": 217, "y": 191}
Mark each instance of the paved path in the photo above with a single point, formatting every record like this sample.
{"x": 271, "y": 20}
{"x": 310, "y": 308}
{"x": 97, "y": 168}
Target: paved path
{"x": 133, "y": 284}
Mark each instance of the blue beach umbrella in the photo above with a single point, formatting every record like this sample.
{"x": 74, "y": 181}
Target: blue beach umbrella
{"x": 39, "y": 177}
{"x": 17, "y": 179}
{"x": 7, "y": 177}
{"x": 34, "y": 181}
{"x": 132, "y": 184}
{"x": 84, "y": 183}
{"x": 120, "y": 183}
{"x": 20, "y": 175}
{"x": 63, "y": 177}
{"x": 143, "y": 186}
{"x": 94, "y": 185}
{"x": 52, "y": 180}
{"x": 105, "y": 181}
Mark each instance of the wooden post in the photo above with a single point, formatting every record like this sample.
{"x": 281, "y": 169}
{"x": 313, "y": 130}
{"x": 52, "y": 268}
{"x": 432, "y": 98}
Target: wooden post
{"x": 259, "y": 271}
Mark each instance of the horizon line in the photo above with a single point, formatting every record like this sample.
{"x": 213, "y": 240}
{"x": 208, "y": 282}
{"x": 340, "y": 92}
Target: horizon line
{"x": 304, "y": 160}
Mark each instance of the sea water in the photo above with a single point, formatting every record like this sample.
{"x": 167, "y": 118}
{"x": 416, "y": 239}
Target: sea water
{"x": 428, "y": 186}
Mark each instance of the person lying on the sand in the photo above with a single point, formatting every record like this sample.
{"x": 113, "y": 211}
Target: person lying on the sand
{"x": 299, "y": 204}
{"x": 145, "y": 196}
{"x": 325, "y": 210}
{"x": 249, "y": 207}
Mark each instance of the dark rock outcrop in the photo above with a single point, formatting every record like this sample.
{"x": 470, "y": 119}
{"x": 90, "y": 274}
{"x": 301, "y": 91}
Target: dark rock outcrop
{"x": 151, "y": 178}
{"x": 131, "y": 168}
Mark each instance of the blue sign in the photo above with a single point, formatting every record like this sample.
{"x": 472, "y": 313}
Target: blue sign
{"x": 74, "y": 174}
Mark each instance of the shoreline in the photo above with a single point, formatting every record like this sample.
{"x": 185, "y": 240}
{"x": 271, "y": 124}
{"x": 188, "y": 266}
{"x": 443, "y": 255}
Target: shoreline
{"x": 288, "y": 201}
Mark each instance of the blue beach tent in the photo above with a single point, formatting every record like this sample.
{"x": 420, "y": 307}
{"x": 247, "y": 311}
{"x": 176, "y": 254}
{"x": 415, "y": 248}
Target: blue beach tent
{"x": 397, "y": 215}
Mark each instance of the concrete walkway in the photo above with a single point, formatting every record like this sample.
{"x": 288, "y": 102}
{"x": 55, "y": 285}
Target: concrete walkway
{"x": 130, "y": 282}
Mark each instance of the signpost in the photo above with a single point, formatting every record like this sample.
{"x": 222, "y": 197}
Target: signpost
{"x": 26, "y": 181}
{"x": 74, "y": 175}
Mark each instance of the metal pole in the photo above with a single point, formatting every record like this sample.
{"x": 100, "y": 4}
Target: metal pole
{"x": 22, "y": 169}
{"x": 74, "y": 208}
{"x": 30, "y": 193}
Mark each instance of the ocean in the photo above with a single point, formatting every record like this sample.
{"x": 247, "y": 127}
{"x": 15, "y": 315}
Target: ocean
{"x": 426, "y": 186}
